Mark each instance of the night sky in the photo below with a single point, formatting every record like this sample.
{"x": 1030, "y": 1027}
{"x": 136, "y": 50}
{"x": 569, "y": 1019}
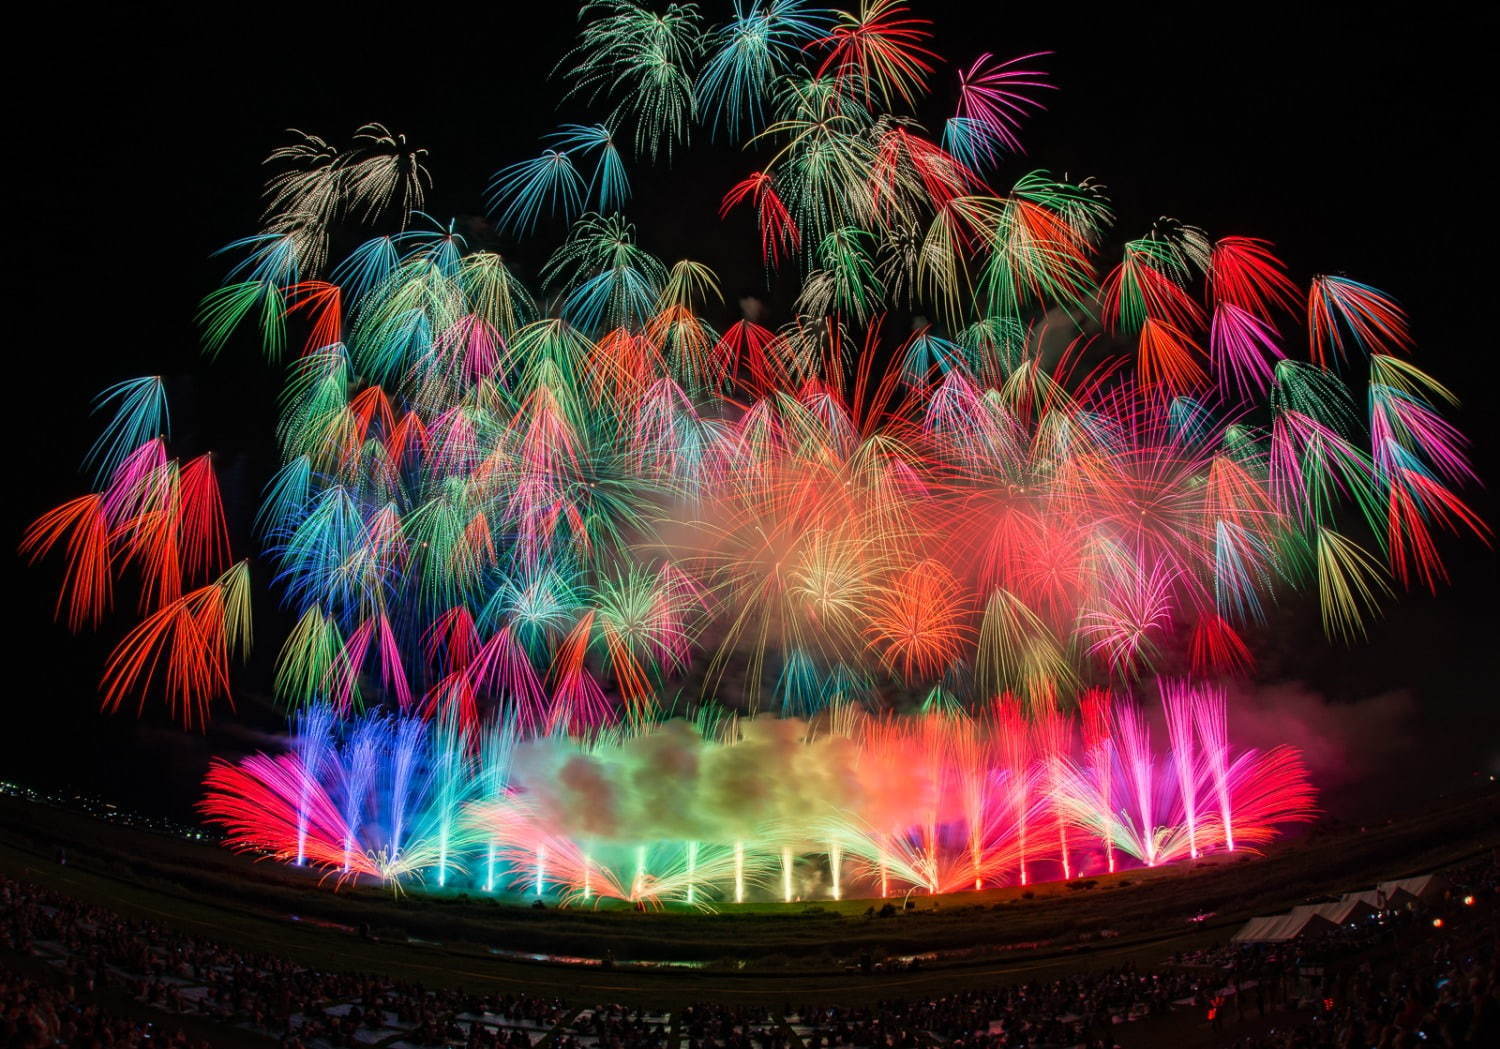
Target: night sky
{"x": 1354, "y": 144}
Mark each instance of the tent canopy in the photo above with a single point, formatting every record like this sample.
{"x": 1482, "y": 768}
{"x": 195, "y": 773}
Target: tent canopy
{"x": 1309, "y": 917}
{"x": 1278, "y": 928}
{"x": 1423, "y": 887}
{"x": 1352, "y": 906}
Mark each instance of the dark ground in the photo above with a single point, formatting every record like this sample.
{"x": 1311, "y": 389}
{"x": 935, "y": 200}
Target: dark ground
{"x": 1352, "y": 139}
{"x": 785, "y": 952}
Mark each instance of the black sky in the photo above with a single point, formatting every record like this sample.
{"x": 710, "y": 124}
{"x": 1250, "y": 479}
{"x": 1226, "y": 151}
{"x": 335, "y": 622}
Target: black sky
{"x": 1355, "y": 143}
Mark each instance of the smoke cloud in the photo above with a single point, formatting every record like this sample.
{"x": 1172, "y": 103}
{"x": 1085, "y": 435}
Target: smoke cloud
{"x": 670, "y": 783}
{"x": 1345, "y": 745}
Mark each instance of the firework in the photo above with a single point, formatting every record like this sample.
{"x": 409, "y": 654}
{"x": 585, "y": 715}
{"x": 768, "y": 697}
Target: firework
{"x": 760, "y": 808}
{"x": 997, "y": 471}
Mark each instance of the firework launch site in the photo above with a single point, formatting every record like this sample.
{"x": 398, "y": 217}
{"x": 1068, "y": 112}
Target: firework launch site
{"x": 767, "y": 949}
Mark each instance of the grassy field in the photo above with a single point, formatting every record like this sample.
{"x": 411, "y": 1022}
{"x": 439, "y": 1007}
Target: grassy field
{"x": 765, "y": 952}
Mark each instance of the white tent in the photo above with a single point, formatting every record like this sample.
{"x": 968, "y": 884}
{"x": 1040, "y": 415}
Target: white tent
{"x": 1311, "y": 914}
{"x": 1278, "y": 928}
{"x": 1259, "y": 930}
{"x": 1352, "y": 906}
{"x": 1424, "y": 887}
{"x": 1345, "y": 910}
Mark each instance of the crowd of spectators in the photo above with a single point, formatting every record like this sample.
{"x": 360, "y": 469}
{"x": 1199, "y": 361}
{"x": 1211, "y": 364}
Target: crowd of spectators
{"x": 1076, "y": 1009}
{"x": 37, "y": 1015}
{"x": 1426, "y": 975}
{"x": 1422, "y": 974}
{"x": 92, "y": 947}
{"x": 709, "y": 1026}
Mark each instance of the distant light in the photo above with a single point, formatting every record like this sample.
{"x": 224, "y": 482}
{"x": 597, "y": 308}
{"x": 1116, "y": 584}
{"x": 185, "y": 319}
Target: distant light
{"x": 1437, "y": 923}
{"x": 1468, "y": 901}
